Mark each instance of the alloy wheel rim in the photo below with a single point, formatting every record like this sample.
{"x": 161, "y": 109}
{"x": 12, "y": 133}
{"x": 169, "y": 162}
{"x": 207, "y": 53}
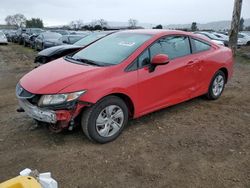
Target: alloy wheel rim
{"x": 109, "y": 121}
{"x": 218, "y": 85}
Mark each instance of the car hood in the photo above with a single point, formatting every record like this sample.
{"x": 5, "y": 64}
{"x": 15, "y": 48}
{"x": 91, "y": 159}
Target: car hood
{"x": 53, "y": 77}
{"x": 52, "y": 50}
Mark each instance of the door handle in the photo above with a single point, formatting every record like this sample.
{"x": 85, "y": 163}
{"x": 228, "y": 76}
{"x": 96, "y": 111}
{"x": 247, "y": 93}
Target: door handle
{"x": 191, "y": 62}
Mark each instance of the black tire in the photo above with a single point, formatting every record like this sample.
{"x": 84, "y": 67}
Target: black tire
{"x": 211, "y": 95}
{"x": 89, "y": 116}
{"x": 36, "y": 47}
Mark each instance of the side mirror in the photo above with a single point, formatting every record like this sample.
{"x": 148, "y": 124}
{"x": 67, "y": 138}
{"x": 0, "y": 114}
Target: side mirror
{"x": 159, "y": 59}
{"x": 65, "y": 42}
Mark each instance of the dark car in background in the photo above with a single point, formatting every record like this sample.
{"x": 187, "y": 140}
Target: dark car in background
{"x": 55, "y": 52}
{"x": 46, "y": 40}
{"x": 19, "y": 35}
{"x": 30, "y": 32}
{"x": 71, "y": 39}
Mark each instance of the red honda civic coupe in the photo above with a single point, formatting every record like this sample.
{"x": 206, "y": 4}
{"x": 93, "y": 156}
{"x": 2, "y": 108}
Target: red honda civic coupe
{"x": 125, "y": 75}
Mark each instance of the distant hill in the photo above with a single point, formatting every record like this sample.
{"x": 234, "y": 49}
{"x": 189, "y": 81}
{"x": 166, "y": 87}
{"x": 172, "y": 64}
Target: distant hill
{"x": 218, "y": 25}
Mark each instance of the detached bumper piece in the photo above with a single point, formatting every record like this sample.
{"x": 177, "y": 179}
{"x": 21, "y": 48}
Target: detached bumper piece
{"x": 21, "y": 182}
{"x": 44, "y": 115}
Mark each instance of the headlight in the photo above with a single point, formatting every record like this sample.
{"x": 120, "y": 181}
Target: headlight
{"x": 46, "y": 100}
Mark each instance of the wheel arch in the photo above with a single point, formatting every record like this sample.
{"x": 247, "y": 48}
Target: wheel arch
{"x": 128, "y": 101}
{"x": 225, "y": 71}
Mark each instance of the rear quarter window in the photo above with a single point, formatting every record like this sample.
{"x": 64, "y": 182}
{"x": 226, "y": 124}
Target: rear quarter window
{"x": 199, "y": 46}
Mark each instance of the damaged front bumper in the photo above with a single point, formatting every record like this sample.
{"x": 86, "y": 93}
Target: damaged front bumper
{"x": 44, "y": 115}
{"x": 48, "y": 115}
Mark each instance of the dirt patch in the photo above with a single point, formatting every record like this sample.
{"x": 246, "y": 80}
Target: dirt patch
{"x": 198, "y": 143}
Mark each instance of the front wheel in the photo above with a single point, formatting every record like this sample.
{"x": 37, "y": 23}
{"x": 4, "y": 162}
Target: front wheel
{"x": 104, "y": 121}
{"x": 216, "y": 86}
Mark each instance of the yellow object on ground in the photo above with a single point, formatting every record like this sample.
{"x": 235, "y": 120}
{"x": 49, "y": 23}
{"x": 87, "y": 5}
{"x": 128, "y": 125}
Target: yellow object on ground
{"x": 21, "y": 182}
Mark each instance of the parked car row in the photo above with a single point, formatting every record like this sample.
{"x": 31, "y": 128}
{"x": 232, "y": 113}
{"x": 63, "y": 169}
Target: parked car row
{"x": 223, "y": 38}
{"x": 107, "y": 78}
{"x": 40, "y": 39}
{"x": 55, "y": 52}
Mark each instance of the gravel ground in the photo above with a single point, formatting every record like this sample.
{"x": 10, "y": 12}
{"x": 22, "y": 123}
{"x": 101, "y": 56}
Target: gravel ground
{"x": 198, "y": 143}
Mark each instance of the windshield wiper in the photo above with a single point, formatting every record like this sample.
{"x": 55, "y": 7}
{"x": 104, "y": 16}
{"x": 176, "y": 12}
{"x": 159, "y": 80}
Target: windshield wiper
{"x": 85, "y": 61}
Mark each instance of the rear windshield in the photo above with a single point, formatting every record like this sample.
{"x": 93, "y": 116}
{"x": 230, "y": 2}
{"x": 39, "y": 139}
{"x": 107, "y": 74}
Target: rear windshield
{"x": 113, "y": 49}
{"x": 36, "y": 31}
{"x": 89, "y": 39}
{"x": 51, "y": 35}
{"x": 75, "y": 38}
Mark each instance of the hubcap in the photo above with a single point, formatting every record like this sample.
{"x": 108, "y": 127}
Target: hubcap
{"x": 218, "y": 85}
{"x": 109, "y": 121}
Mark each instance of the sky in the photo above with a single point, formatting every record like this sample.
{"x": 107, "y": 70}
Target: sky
{"x": 61, "y": 12}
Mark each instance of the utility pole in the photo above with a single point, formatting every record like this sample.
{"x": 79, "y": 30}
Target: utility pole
{"x": 235, "y": 24}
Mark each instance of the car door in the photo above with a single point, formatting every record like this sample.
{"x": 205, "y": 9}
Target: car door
{"x": 40, "y": 42}
{"x": 200, "y": 66}
{"x": 167, "y": 84}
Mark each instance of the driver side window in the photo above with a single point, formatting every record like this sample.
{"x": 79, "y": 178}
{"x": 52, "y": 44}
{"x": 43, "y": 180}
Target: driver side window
{"x": 173, "y": 46}
{"x": 144, "y": 59}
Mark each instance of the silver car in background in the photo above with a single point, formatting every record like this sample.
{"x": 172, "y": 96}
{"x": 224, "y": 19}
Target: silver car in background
{"x": 3, "y": 38}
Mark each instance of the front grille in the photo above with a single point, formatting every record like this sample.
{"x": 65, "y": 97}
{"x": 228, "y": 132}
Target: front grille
{"x": 34, "y": 100}
{"x": 22, "y": 93}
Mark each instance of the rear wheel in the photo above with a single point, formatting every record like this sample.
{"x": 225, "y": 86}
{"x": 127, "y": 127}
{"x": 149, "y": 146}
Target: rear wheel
{"x": 104, "y": 121}
{"x": 216, "y": 86}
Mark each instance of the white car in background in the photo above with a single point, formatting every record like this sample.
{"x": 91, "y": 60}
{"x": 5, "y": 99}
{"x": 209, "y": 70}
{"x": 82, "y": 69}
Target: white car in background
{"x": 219, "y": 42}
{"x": 3, "y": 38}
{"x": 244, "y": 38}
{"x": 212, "y": 37}
{"x": 240, "y": 41}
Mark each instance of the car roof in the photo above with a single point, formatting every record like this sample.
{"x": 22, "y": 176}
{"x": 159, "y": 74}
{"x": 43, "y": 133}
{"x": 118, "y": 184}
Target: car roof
{"x": 164, "y": 32}
{"x": 156, "y": 31}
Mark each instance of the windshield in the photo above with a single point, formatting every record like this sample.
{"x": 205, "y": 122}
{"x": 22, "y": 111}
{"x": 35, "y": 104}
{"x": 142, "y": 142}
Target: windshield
{"x": 89, "y": 39}
{"x": 212, "y": 36}
{"x": 36, "y": 31}
{"x": 112, "y": 49}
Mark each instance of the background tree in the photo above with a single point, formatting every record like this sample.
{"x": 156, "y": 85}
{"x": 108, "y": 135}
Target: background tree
{"x": 158, "y": 27}
{"x": 103, "y": 23}
{"x": 34, "y": 22}
{"x": 132, "y": 23}
{"x": 241, "y": 24}
{"x": 76, "y": 24}
{"x": 97, "y": 27}
{"x": 194, "y": 26}
{"x": 17, "y": 20}
{"x": 86, "y": 27}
